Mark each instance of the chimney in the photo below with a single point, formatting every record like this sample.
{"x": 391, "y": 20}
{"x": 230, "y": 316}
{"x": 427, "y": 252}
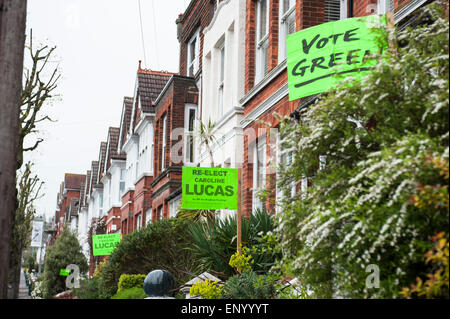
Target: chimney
{"x": 179, "y": 26}
{"x": 139, "y": 68}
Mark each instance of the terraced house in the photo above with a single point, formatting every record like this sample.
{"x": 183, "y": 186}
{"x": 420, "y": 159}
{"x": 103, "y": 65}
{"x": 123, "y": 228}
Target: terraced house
{"x": 232, "y": 71}
{"x": 136, "y": 139}
{"x": 268, "y": 22}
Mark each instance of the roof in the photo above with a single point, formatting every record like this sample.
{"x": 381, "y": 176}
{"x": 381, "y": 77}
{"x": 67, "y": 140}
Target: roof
{"x": 125, "y": 120}
{"x": 112, "y": 152}
{"x": 101, "y": 161}
{"x": 94, "y": 176}
{"x": 150, "y": 83}
{"x": 73, "y": 181}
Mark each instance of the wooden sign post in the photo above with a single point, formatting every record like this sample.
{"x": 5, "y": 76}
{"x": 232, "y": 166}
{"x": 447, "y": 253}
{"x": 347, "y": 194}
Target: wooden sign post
{"x": 239, "y": 212}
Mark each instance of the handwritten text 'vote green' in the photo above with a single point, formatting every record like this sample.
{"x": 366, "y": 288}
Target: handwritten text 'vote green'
{"x": 209, "y": 188}
{"x": 318, "y": 57}
{"x": 104, "y": 244}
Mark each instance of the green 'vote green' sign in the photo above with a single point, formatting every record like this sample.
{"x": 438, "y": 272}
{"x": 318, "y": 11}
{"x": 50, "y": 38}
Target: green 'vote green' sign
{"x": 209, "y": 188}
{"x": 318, "y": 57}
{"x": 104, "y": 244}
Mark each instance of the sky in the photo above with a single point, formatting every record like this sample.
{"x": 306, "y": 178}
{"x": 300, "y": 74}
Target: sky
{"x": 98, "y": 46}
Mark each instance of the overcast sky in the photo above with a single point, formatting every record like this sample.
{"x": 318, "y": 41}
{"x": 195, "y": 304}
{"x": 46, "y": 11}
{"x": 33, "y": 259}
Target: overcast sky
{"x": 99, "y": 45}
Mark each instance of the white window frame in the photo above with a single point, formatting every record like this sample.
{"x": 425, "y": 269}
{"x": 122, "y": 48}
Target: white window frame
{"x": 288, "y": 160}
{"x": 221, "y": 78}
{"x": 304, "y": 186}
{"x": 344, "y": 9}
{"x": 173, "y": 206}
{"x": 284, "y": 28}
{"x": 262, "y": 42}
{"x": 193, "y": 61}
{"x": 188, "y": 134}
{"x": 384, "y": 6}
{"x": 123, "y": 174}
{"x": 259, "y": 163}
{"x": 163, "y": 144}
{"x": 138, "y": 221}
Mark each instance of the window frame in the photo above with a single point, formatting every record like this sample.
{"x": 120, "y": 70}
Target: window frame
{"x": 260, "y": 145}
{"x": 383, "y": 6}
{"x": 189, "y": 135}
{"x": 221, "y": 78}
{"x": 193, "y": 61}
{"x": 284, "y": 28}
{"x": 163, "y": 142}
{"x": 262, "y": 42}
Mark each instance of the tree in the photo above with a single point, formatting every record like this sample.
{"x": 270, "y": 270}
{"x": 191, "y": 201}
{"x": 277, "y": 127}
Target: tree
{"x": 66, "y": 251}
{"x": 36, "y": 93}
{"x": 363, "y": 208}
{"x": 38, "y": 87}
{"x": 29, "y": 187}
{"x": 12, "y": 39}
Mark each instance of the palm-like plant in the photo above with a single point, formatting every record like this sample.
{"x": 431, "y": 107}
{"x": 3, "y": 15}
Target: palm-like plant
{"x": 214, "y": 243}
{"x": 205, "y": 134}
{"x": 197, "y": 215}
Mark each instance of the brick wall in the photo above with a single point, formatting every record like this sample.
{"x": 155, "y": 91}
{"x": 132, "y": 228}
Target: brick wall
{"x": 127, "y": 208}
{"x": 181, "y": 90}
{"x": 198, "y": 15}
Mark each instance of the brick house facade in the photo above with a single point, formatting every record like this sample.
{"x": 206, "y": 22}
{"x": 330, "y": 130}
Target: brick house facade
{"x": 266, "y": 91}
{"x": 179, "y": 96}
{"x": 136, "y": 140}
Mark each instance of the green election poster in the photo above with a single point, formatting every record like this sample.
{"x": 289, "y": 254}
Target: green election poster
{"x": 320, "y": 56}
{"x": 209, "y": 188}
{"x": 104, "y": 244}
{"x": 64, "y": 272}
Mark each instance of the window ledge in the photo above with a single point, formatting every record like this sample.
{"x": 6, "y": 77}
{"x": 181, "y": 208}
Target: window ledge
{"x": 265, "y": 81}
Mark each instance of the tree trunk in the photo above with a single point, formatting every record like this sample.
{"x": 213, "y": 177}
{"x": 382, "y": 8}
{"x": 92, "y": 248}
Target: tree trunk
{"x": 12, "y": 40}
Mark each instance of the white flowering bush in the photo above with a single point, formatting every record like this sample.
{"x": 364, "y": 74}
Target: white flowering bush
{"x": 381, "y": 138}
{"x": 36, "y": 293}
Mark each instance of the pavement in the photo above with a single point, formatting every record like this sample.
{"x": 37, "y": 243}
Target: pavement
{"x": 23, "y": 289}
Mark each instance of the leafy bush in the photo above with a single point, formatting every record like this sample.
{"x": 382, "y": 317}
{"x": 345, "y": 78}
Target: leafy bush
{"x": 130, "y": 281}
{"x": 161, "y": 245}
{"x": 383, "y": 191}
{"x": 437, "y": 284}
{"x": 250, "y": 285}
{"x": 207, "y": 289}
{"x": 65, "y": 251}
{"x": 215, "y": 244}
{"x": 89, "y": 288}
{"x": 130, "y": 293}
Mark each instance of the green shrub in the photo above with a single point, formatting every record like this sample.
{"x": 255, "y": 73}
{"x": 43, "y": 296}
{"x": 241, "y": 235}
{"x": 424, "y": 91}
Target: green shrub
{"x": 206, "y": 289}
{"x": 66, "y": 250}
{"x": 130, "y": 293}
{"x": 88, "y": 288}
{"x": 130, "y": 281}
{"x": 161, "y": 245}
{"x": 378, "y": 198}
{"x": 215, "y": 244}
{"x": 250, "y": 285}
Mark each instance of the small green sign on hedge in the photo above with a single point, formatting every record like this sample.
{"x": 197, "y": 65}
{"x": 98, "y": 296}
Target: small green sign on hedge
{"x": 209, "y": 188}
{"x": 104, "y": 244}
{"x": 318, "y": 55}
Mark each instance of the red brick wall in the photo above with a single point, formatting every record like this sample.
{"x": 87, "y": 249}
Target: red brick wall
{"x": 181, "y": 90}
{"x": 113, "y": 218}
{"x": 142, "y": 199}
{"x": 199, "y": 15}
{"x": 127, "y": 206}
